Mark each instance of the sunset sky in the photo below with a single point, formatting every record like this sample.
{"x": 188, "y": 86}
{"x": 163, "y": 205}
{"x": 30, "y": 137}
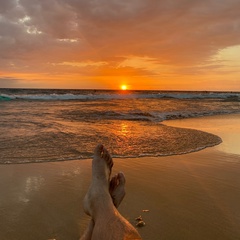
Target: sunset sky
{"x": 102, "y": 44}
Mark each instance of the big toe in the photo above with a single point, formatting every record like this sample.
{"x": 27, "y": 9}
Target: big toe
{"x": 121, "y": 178}
{"x": 98, "y": 150}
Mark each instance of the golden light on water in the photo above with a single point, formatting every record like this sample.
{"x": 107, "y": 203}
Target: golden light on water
{"x": 124, "y": 129}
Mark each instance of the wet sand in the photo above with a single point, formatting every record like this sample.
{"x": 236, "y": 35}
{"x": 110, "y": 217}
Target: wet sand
{"x": 191, "y": 196}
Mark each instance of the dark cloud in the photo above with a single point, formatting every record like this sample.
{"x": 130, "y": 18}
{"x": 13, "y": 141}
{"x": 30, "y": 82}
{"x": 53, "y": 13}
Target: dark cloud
{"x": 5, "y": 6}
{"x": 175, "y": 32}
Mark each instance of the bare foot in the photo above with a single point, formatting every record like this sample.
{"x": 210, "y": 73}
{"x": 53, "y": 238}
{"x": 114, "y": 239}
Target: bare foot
{"x": 117, "y": 192}
{"x": 117, "y": 188}
{"x": 99, "y": 189}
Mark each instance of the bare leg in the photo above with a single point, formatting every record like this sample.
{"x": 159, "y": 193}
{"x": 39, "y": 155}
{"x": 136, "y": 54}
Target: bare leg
{"x": 87, "y": 235}
{"x": 117, "y": 192}
{"x": 108, "y": 223}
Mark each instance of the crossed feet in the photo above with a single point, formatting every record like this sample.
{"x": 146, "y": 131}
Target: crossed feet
{"x": 102, "y": 187}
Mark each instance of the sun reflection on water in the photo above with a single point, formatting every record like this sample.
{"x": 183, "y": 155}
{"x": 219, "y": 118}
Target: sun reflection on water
{"x": 124, "y": 129}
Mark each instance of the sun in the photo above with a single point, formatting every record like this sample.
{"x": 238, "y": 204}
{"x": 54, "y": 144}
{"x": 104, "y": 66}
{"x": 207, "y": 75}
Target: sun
{"x": 124, "y": 87}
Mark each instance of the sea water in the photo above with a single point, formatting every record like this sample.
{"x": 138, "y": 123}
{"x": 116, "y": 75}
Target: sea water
{"x": 54, "y": 125}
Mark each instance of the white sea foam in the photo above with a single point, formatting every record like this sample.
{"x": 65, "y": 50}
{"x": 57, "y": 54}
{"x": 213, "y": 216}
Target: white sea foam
{"x": 97, "y": 95}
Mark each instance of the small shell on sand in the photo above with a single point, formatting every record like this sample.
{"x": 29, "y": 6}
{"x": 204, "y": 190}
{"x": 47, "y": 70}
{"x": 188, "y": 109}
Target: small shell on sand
{"x": 145, "y": 210}
{"x": 140, "y": 224}
{"x": 139, "y": 218}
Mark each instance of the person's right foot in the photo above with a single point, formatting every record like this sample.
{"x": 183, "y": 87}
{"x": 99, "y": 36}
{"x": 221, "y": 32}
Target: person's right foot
{"x": 101, "y": 169}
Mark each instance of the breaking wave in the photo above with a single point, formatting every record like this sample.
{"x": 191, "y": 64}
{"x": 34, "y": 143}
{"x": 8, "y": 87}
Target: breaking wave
{"x": 51, "y": 95}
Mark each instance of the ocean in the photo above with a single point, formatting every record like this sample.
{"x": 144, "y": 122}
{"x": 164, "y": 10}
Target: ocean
{"x": 43, "y": 125}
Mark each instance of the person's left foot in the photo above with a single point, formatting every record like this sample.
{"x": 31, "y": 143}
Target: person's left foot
{"x": 117, "y": 188}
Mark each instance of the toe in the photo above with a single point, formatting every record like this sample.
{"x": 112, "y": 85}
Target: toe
{"x": 98, "y": 150}
{"x": 105, "y": 153}
{"x": 121, "y": 178}
{"x": 113, "y": 183}
{"x": 107, "y": 157}
{"x": 110, "y": 162}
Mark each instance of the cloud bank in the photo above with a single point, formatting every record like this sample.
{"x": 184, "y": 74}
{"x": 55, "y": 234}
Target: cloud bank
{"x": 94, "y": 38}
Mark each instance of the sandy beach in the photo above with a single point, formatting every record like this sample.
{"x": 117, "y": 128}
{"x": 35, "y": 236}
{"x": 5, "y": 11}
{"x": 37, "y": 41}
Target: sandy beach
{"x": 190, "y": 196}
